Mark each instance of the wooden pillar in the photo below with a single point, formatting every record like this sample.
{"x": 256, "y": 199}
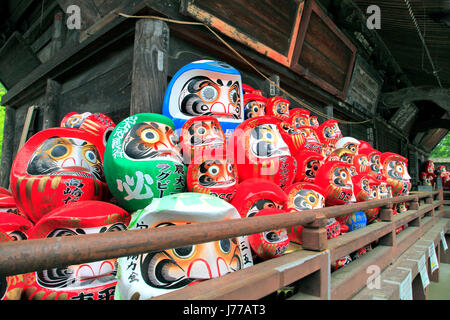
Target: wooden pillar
{"x": 50, "y": 108}
{"x": 414, "y": 205}
{"x": 386, "y": 212}
{"x": 8, "y": 145}
{"x": 314, "y": 236}
{"x": 150, "y": 66}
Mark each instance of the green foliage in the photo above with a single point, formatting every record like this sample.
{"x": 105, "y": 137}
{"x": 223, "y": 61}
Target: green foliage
{"x": 2, "y": 116}
{"x": 442, "y": 150}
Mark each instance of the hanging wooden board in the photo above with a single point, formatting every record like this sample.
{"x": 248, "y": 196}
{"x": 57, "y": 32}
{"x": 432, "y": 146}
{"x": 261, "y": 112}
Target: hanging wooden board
{"x": 323, "y": 54}
{"x": 365, "y": 88}
{"x": 269, "y": 27}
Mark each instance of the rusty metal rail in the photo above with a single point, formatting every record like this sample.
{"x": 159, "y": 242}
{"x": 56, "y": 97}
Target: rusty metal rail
{"x": 33, "y": 255}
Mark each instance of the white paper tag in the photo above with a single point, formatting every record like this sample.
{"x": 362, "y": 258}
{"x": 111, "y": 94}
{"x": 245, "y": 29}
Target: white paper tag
{"x": 422, "y": 267}
{"x": 444, "y": 241}
{"x": 434, "y": 264}
{"x": 406, "y": 288}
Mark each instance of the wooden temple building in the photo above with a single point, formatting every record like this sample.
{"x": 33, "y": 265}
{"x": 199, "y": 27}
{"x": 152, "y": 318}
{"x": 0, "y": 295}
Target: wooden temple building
{"x": 320, "y": 51}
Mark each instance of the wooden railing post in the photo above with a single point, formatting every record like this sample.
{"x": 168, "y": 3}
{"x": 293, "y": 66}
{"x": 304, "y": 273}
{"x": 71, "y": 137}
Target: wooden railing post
{"x": 441, "y": 200}
{"x": 314, "y": 236}
{"x": 414, "y": 204}
{"x": 386, "y": 212}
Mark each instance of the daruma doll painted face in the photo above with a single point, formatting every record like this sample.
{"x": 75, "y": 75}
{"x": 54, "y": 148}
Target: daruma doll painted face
{"x": 206, "y": 87}
{"x": 314, "y": 121}
{"x": 154, "y": 273}
{"x": 269, "y": 244}
{"x": 215, "y": 176}
{"x": 367, "y": 188}
{"x": 254, "y": 195}
{"x": 299, "y": 117}
{"x": 329, "y": 133}
{"x": 349, "y": 143}
{"x": 335, "y": 178}
{"x": 143, "y": 161}
{"x": 395, "y": 170}
{"x": 361, "y": 164}
{"x": 98, "y": 124}
{"x": 201, "y": 136}
{"x": 56, "y": 167}
{"x": 93, "y": 280}
{"x": 14, "y": 227}
{"x": 303, "y": 196}
{"x": 254, "y": 105}
{"x": 278, "y": 107}
{"x": 308, "y": 163}
{"x": 259, "y": 151}
{"x": 374, "y": 159}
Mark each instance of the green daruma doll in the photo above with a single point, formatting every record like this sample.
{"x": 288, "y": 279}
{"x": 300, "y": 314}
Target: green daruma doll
{"x": 143, "y": 161}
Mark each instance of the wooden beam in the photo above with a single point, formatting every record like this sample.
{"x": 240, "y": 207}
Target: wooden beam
{"x": 51, "y": 104}
{"x": 150, "y": 66}
{"x": 405, "y": 96}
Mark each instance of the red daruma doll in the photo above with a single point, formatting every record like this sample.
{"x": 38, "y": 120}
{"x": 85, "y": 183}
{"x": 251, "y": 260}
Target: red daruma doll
{"x": 299, "y": 117}
{"x": 269, "y": 244}
{"x": 278, "y": 107}
{"x": 201, "y": 136}
{"x": 329, "y": 133}
{"x": 366, "y": 188}
{"x": 259, "y": 151}
{"x": 98, "y": 124}
{"x": 308, "y": 163}
{"x": 57, "y": 167}
{"x": 215, "y": 176}
{"x": 395, "y": 170}
{"x": 335, "y": 178}
{"x": 303, "y": 196}
{"x": 374, "y": 159}
{"x": 86, "y": 281}
{"x": 254, "y": 195}
{"x": 13, "y": 228}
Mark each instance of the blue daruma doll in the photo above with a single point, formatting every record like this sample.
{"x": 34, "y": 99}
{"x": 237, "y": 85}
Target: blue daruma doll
{"x": 206, "y": 87}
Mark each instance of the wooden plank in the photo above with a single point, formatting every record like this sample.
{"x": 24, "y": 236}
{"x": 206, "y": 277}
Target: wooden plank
{"x": 257, "y": 281}
{"x": 350, "y": 279}
{"x": 16, "y": 49}
{"x": 324, "y": 40}
{"x": 407, "y": 261}
{"x": 320, "y": 65}
{"x": 270, "y": 29}
{"x": 26, "y": 127}
{"x": 51, "y": 106}
{"x": 322, "y": 60}
{"x": 150, "y": 66}
{"x": 352, "y": 241}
